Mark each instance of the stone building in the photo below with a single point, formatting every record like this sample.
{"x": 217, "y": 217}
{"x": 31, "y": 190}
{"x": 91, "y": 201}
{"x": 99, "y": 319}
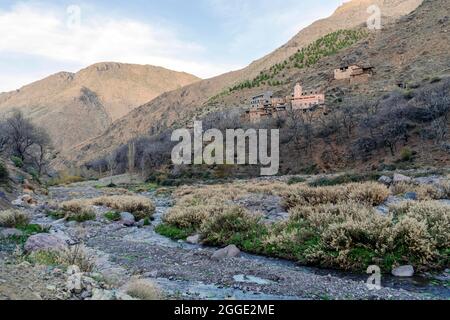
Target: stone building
{"x": 265, "y": 105}
{"x": 354, "y": 73}
{"x": 303, "y": 100}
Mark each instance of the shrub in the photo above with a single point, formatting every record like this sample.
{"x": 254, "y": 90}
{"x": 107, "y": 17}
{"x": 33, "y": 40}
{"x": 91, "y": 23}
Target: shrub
{"x": 4, "y": 175}
{"x": 406, "y": 154}
{"x": 18, "y": 162}
{"x": 234, "y": 225}
{"x": 144, "y": 290}
{"x": 139, "y": 207}
{"x": 78, "y": 210}
{"x": 295, "y": 180}
{"x": 112, "y": 216}
{"x": 76, "y": 255}
{"x": 173, "y": 232}
{"x": 65, "y": 179}
{"x": 344, "y": 179}
{"x": 423, "y": 191}
{"x": 370, "y": 193}
{"x": 13, "y": 218}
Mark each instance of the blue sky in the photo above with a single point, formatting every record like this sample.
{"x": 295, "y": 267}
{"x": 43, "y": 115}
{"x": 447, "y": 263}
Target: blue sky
{"x": 203, "y": 37}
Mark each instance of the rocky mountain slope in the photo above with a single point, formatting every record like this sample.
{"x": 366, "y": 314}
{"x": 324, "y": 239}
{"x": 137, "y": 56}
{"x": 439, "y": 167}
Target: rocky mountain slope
{"x": 74, "y": 107}
{"x": 181, "y": 105}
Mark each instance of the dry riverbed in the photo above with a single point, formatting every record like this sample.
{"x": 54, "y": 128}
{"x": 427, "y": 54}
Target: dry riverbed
{"x": 181, "y": 270}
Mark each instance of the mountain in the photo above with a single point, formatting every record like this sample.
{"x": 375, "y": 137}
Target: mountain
{"x": 181, "y": 105}
{"x": 75, "y": 107}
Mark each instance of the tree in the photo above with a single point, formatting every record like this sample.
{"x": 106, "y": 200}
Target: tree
{"x": 21, "y": 139}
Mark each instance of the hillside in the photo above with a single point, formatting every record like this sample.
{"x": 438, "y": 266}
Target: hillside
{"x": 74, "y": 107}
{"x": 182, "y": 105}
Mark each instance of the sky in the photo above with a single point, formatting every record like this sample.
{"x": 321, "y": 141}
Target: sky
{"x": 202, "y": 37}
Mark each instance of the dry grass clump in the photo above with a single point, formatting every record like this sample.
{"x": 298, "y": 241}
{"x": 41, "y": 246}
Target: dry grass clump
{"x": 423, "y": 191}
{"x": 13, "y": 218}
{"x": 139, "y": 207}
{"x": 433, "y": 215}
{"x": 369, "y": 193}
{"x": 78, "y": 210}
{"x": 232, "y": 225}
{"x": 76, "y": 255}
{"x": 144, "y": 290}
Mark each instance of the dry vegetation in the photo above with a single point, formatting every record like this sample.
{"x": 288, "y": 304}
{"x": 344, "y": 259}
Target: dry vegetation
{"x": 13, "y": 218}
{"x": 139, "y": 207}
{"x": 81, "y": 209}
{"x": 76, "y": 255}
{"x": 328, "y": 226}
{"x": 144, "y": 290}
{"x": 423, "y": 192}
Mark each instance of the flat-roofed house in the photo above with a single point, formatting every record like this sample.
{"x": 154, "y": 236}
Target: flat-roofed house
{"x": 306, "y": 99}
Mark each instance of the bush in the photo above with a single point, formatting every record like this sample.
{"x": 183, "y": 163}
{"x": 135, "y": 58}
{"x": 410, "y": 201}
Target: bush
{"x": 423, "y": 191}
{"x": 139, "y": 207}
{"x": 344, "y": 179}
{"x": 173, "y": 232}
{"x": 295, "y": 180}
{"x": 4, "y": 175}
{"x": 18, "y": 162}
{"x": 13, "y": 218}
{"x": 112, "y": 216}
{"x": 144, "y": 290}
{"x": 370, "y": 193}
{"x": 66, "y": 179}
{"x": 234, "y": 225}
{"x": 76, "y": 255}
{"x": 78, "y": 210}
{"x": 406, "y": 154}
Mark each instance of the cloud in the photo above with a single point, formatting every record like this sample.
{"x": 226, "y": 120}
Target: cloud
{"x": 53, "y": 33}
{"x": 265, "y": 23}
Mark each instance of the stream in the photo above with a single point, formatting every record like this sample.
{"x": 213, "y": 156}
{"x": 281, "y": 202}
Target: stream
{"x": 186, "y": 271}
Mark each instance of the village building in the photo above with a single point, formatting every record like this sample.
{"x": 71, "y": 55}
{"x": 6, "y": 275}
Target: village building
{"x": 304, "y": 100}
{"x": 265, "y": 105}
{"x": 357, "y": 73}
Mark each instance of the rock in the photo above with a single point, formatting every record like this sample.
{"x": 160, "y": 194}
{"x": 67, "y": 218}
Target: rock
{"x": 403, "y": 271}
{"x": 141, "y": 223}
{"x": 18, "y": 202}
{"x": 385, "y": 180}
{"x": 74, "y": 284}
{"x": 2, "y": 195}
{"x": 228, "y": 252}
{"x": 127, "y": 219}
{"x": 51, "y": 287}
{"x": 195, "y": 239}
{"x": 27, "y": 185}
{"x": 73, "y": 270}
{"x": 428, "y": 180}
{"x": 398, "y": 178}
{"x": 10, "y": 232}
{"x": 101, "y": 295}
{"x": 44, "y": 241}
{"x": 410, "y": 196}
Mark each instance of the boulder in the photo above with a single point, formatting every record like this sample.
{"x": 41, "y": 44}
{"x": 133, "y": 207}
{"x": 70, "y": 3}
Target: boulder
{"x": 403, "y": 271}
{"x": 44, "y": 241}
{"x": 74, "y": 283}
{"x": 127, "y": 219}
{"x": 229, "y": 252}
{"x": 10, "y": 232}
{"x": 141, "y": 223}
{"x": 385, "y": 180}
{"x": 410, "y": 196}
{"x": 398, "y": 178}
{"x": 102, "y": 295}
{"x": 195, "y": 239}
